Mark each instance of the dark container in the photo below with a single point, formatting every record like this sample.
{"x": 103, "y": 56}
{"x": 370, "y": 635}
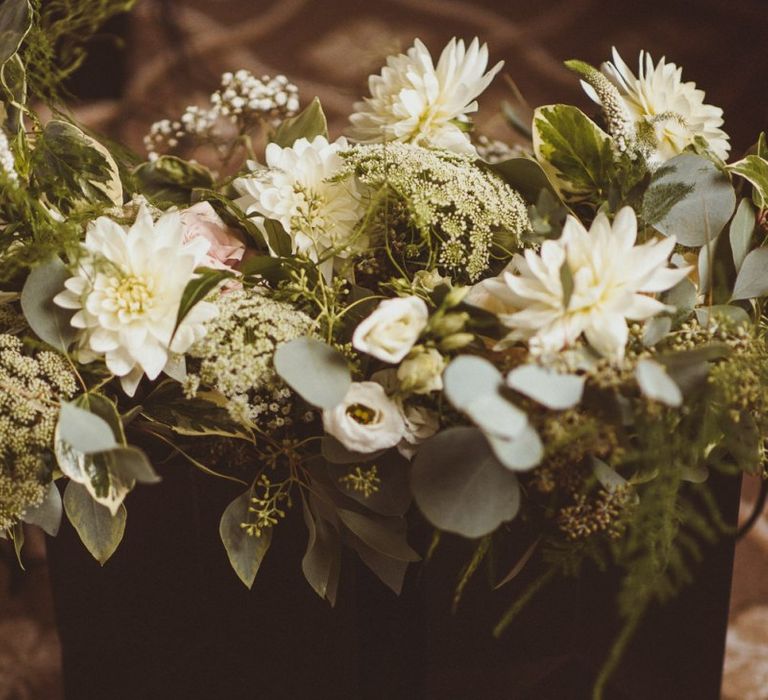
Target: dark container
{"x": 167, "y": 618}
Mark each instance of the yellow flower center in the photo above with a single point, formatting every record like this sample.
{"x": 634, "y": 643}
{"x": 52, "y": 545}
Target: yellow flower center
{"x": 131, "y": 294}
{"x": 362, "y": 414}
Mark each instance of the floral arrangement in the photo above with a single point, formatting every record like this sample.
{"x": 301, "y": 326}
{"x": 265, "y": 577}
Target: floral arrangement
{"x": 555, "y": 342}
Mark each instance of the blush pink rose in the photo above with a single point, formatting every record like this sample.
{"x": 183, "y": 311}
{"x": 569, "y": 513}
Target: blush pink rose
{"x": 226, "y": 249}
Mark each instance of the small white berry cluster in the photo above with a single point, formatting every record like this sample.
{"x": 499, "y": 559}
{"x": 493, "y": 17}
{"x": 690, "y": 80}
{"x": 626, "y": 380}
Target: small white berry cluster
{"x": 243, "y": 99}
{"x": 243, "y": 94}
{"x": 7, "y": 162}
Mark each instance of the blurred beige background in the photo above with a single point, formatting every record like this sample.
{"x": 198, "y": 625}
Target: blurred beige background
{"x": 176, "y": 51}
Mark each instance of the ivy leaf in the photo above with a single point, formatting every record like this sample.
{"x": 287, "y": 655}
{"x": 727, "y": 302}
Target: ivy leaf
{"x": 752, "y": 280}
{"x": 15, "y": 23}
{"x": 99, "y": 531}
{"x": 574, "y": 152}
{"x": 205, "y": 281}
{"x": 754, "y": 170}
{"x": 460, "y": 486}
{"x": 740, "y": 232}
{"x": 46, "y": 514}
{"x": 314, "y": 370}
{"x": 82, "y": 170}
{"x": 245, "y": 552}
{"x": 49, "y": 322}
{"x": 307, "y": 124}
{"x": 699, "y": 200}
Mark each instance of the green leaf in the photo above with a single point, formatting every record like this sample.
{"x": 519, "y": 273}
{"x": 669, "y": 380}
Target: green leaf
{"x": 245, "y": 552}
{"x": 656, "y": 384}
{"x": 277, "y": 238}
{"x": 47, "y": 514}
{"x": 15, "y": 23}
{"x": 547, "y": 387}
{"x": 752, "y": 280}
{"x": 385, "y": 535}
{"x": 84, "y": 431}
{"x": 49, "y": 322}
{"x": 754, "y": 169}
{"x": 321, "y": 563}
{"x": 573, "y": 151}
{"x": 525, "y": 176}
{"x": 307, "y": 124}
{"x": 741, "y": 230}
{"x": 99, "y": 531}
{"x": 205, "y": 281}
{"x": 699, "y": 215}
{"x": 171, "y": 179}
{"x": 689, "y": 368}
{"x": 314, "y": 370}
{"x": 460, "y": 486}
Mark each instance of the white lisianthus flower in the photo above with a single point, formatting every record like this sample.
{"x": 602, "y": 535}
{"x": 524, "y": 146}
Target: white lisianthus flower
{"x": 127, "y": 291}
{"x": 422, "y": 371}
{"x": 611, "y": 280}
{"x": 658, "y": 97}
{"x": 393, "y": 328}
{"x": 414, "y": 101}
{"x": 366, "y": 420}
{"x": 296, "y": 189}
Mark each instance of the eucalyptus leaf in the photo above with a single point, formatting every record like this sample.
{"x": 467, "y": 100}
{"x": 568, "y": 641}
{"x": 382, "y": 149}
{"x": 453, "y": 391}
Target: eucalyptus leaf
{"x": 609, "y": 478}
{"x": 703, "y": 203}
{"x": 655, "y": 330}
{"x": 682, "y": 296}
{"x": 520, "y": 453}
{"x": 46, "y": 514}
{"x": 336, "y": 453}
{"x": 656, "y": 384}
{"x": 245, "y": 551}
{"x": 307, "y": 124}
{"x": 496, "y": 415}
{"x": 99, "y": 531}
{"x": 49, "y": 322}
{"x": 754, "y": 169}
{"x": 468, "y": 378}
{"x": 460, "y": 486}
{"x": 390, "y": 571}
{"x": 314, "y": 370}
{"x": 84, "y": 431}
{"x": 741, "y": 230}
{"x": 15, "y": 23}
{"x": 547, "y": 387}
{"x": 707, "y": 314}
{"x": 752, "y": 280}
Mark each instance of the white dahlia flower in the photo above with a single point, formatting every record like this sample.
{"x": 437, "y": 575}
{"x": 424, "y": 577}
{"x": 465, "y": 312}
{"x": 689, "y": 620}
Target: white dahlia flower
{"x": 127, "y": 291}
{"x": 658, "y": 97}
{"x": 414, "y": 101}
{"x": 296, "y": 189}
{"x": 611, "y": 277}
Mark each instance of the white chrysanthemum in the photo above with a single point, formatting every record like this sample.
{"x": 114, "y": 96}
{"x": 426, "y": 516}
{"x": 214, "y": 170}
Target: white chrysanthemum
{"x": 675, "y": 110}
{"x": 611, "y": 280}
{"x": 127, "y": 292}
{"x": 296, "y": 189}
{"x": 414, "y": 101}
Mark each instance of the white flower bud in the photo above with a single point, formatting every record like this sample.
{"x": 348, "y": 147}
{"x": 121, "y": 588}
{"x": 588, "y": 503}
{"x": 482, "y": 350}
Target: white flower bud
{"x": 390, "y": 332}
